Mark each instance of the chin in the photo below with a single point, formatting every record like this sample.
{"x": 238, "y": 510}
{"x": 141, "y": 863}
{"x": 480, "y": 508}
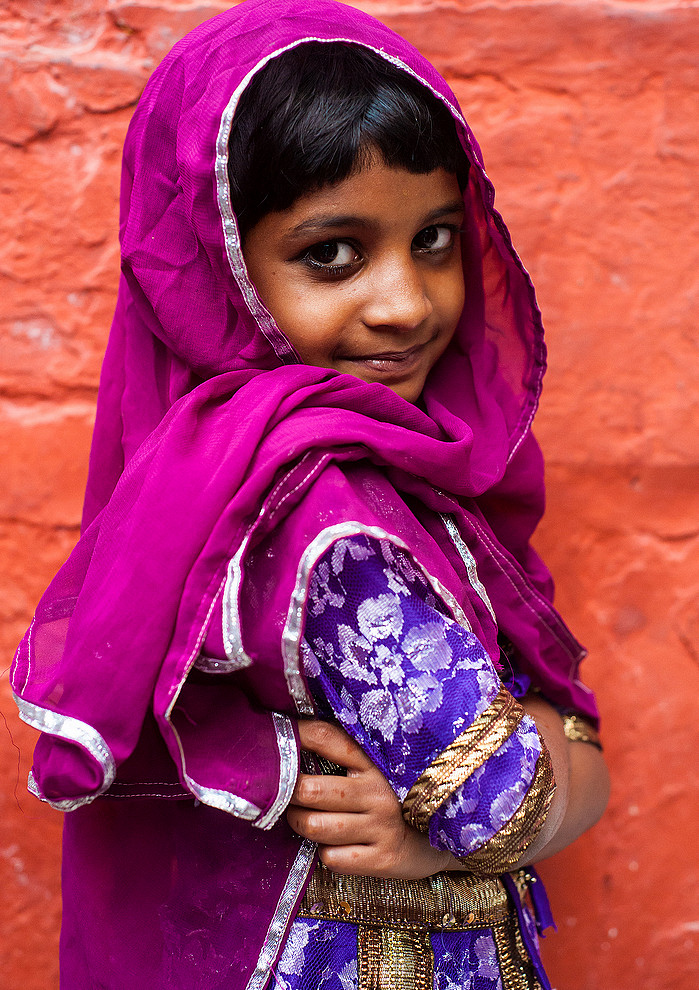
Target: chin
{"x": 408, "y": 391}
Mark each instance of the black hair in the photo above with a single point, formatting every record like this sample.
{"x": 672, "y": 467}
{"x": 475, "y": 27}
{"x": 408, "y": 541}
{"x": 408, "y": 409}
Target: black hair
{"x": 313, "y": 116}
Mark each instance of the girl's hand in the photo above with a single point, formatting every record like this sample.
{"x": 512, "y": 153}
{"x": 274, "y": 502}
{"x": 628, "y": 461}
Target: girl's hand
{"x": 356, "y": 820}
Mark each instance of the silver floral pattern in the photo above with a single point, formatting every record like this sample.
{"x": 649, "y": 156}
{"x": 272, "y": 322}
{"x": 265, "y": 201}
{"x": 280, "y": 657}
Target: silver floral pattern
{"x": 386, "y": 660}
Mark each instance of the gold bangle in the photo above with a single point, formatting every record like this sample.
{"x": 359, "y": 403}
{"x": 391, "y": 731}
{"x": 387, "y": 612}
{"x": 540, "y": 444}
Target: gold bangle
{"x": 577, "y": 729}
{"x": 461, "y": 758}
{"x": 502, "y": 851}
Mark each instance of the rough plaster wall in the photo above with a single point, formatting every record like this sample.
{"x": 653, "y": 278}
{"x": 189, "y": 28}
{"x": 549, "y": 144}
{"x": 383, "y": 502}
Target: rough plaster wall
{"x": 587, "y": 113}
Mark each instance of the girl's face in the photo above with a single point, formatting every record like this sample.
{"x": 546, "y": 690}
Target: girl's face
{"x": 364, "y": 276}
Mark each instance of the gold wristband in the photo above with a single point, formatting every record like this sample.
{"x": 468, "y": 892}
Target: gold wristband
{"x": 578, "y": 729}
{"x": 461, "y": 758}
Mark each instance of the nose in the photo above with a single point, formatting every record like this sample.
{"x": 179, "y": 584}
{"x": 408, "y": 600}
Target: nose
{"x": 397, "y": 296}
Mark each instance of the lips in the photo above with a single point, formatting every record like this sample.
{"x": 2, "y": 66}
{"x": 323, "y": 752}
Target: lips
{"x": 392, "y": 361}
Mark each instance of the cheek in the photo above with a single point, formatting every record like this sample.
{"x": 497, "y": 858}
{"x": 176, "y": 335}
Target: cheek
{"x": 452, "y": 299}
{"x": 313, "y": 319}
{"x": 460, "y": 300}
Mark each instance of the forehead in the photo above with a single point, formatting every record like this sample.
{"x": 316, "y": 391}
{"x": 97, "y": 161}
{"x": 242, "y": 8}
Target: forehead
{"x": 376, "y": 197}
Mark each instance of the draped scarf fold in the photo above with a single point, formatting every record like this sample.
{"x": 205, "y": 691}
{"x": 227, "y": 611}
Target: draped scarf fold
{"x": 204, "y": 411}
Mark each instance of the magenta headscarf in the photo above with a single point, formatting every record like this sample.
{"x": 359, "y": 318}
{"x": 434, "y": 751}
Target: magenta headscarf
{"x": 212, "y": 439}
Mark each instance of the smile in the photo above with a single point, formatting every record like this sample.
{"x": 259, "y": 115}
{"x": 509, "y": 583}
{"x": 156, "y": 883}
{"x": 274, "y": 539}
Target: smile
{"x": 393, "y": 362}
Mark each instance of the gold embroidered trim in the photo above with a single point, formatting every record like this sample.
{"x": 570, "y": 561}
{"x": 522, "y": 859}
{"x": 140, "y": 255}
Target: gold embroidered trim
{"x": 396, "y": 918}
{"x": 578, "y": 729}
{"x": 501, "y": 853}
{"x": 461, "y": 759}
{"x": 516, "y": 970}
{"x": 443, "y": 902}
{"x": 394, "y": 959}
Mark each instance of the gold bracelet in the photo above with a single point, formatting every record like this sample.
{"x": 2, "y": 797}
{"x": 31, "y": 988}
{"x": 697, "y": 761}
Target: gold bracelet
{"x": 578, "y": 729}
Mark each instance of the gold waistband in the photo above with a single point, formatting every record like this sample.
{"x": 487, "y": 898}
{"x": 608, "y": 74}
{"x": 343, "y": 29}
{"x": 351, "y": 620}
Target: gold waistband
{"x": 396, "y": 920}
{"x": 443, "y": 902}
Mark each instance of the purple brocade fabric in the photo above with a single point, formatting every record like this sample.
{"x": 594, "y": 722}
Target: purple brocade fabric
{"x": 322, "y": 955}
{"x": 404, "y": 680}
{"x": 218, "y": 463}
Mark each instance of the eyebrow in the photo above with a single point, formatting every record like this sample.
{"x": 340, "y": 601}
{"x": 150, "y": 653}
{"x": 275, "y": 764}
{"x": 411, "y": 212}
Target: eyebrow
{"x": 333, "y": 221}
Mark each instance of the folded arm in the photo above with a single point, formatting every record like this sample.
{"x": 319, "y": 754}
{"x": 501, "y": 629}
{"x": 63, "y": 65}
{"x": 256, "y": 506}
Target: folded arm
{"x": 358, "y": 820}
{"x": 423, "y": 700}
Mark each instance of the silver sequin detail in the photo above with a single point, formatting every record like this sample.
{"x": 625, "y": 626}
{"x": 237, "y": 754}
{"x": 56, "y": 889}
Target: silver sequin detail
{"x": 213, "y": 665}
{"x": 72, "y": 729}
{"x": 282, "y": 915}
{"x": 231, "y": 234}
{"x": 232, "y": 640}
{"x": 469, "y": 562}
{"x": 288, "y": 769}
{"x": 223, "y": 800}
{"x": 236, "y": 657}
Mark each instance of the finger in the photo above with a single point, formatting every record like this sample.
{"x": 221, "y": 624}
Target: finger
{"x": 333, "y": 743}
{"x": 331, "y": 828}
{"x": 367, "y": 860}
{"x": 358, "y": 859}
{"x": 331, "y": 793}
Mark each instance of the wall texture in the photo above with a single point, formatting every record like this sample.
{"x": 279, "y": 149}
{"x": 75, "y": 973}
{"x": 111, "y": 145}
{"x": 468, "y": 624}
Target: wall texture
{"x": 587, "y": 115}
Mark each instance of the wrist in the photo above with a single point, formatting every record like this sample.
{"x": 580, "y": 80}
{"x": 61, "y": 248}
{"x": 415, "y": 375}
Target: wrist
{"x": 578, "y": 729}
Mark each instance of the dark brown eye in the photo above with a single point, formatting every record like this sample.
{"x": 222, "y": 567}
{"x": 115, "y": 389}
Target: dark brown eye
{"x": 433, "y": 238}
{"x": 332, "y": 256}
{"x": 325, "y": 253}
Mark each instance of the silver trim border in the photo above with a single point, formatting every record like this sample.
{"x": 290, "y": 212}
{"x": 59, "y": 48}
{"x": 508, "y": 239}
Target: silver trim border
{"x": 211, "y": 796}
{"x": 223, "y": 800}
{"x": 231, "y": 624}
{"x": 232, "y": 640}
{"x": 469, "y": 562}
{"x": 288, "y": 770}
{"x": 282, "y": 915}
{"x": 212, "y": 665}
{"x": 231, "y": 234}
{"x": 75, "y": 731}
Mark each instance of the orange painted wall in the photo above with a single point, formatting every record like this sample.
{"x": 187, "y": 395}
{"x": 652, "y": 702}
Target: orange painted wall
{"x": 587, "y": 113}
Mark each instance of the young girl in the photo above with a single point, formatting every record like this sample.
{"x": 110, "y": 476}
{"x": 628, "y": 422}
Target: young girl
{"x": 311, "y": 491}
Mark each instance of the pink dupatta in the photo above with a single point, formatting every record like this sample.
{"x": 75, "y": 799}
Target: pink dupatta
{"x": 212, "y": 440}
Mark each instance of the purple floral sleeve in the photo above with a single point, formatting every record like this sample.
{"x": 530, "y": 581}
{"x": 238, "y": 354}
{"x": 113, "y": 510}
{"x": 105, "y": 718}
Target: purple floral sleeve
{"x": 386, "y": 660}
